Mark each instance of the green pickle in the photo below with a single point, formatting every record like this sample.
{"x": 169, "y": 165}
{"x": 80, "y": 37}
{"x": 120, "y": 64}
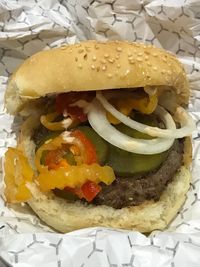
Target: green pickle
{"x": 65, "y": 194}
{"x": 126, "y": 163}
{"x": 42, "y": 160}
{"x": 50, "y": 135}
{"x": 69, "y": 157}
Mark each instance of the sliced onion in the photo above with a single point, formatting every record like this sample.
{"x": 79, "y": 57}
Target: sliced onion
{"x": 98, "y": 120}
{"x": 187, "y": 123}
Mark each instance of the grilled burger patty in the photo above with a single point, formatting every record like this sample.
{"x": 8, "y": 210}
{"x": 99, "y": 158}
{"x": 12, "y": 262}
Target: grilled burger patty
{"x": 134, "y": 189}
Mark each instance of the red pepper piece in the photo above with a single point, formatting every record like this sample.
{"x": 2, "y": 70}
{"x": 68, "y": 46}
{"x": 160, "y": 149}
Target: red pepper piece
{"x": 91, "y": 155}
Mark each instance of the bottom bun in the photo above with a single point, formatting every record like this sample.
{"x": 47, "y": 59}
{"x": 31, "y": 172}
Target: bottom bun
{"x": 64, "y": 216}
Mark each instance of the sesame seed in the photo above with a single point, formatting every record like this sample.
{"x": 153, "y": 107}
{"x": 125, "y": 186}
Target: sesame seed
{"x": 96, "y": 47}
{"x": 33, "y": 59}
{"x": 70, "y": 50}
{"x": 127, "y": 72}
{"x": 64, "y": 47}
{"x": 80, "y": 50}
{"x": 94, "y": 58}
{"x": 140, "y": 54}
{"x": 119, "y": 49}
{"x": 132, "y": 61}
{"x": 164, "y": 59}
{"x": 169, "y": 72}
{"x": 155, "y": 68}
{"x": 92, "y": 67}
{"x": 146, "y": 57}
{"x": 104, "y": 67}
{"x": 129, "y": 54}
{"x": 118, "y": 66}
{"x": 149, "y": 64}
{"x": 106, "y": 55}
{"x": 111, "y": 60}
{"x": 139, "y": 59}
{"x": 80, "y": 66}
{"x": 155, "y": 54}
{"x": 163, "y": 71}
{"x": 109, "y": 75}
{"x": 130, "y": 58}
{"x": 117, "y": 56}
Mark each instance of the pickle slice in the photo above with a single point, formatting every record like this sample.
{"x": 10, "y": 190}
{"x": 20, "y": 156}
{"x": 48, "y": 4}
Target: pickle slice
{"x": 65, "y": 194}
{"x": 49, "y": 135}
{"x": 70, "y": 157}
{"x": 126, "y": 163}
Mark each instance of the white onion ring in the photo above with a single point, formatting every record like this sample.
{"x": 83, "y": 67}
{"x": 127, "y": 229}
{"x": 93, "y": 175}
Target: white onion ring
{"x": 98, "y": 120}
{"x": 187, "y": 123}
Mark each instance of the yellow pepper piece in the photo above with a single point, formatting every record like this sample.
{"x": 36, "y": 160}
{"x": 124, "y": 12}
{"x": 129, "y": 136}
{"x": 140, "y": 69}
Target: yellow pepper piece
{"x": 71, "y": 176}
{"x": 17, "y": 173}
{"x": 75, "y": 176}
{"x": 145, "y": 105}
{"x": 123, "y": 108}
{"x": 47, "y": 121}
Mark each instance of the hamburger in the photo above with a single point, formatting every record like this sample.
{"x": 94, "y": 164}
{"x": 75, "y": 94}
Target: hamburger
{"x": 105, "y": 137}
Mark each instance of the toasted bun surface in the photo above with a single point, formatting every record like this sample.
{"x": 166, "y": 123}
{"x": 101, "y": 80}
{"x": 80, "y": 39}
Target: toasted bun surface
{"x": 93, "y": 65}
{"x": 149, "y": 216}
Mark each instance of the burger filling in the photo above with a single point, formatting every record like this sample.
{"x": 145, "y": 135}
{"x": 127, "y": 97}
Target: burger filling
{"x": 116, "y": 149}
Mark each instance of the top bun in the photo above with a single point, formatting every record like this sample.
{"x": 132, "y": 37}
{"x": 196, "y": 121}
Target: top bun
{"x": 94, "y": 65}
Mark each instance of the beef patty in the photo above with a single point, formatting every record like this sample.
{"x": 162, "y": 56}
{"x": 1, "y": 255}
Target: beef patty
{"x": 134, "y": 190}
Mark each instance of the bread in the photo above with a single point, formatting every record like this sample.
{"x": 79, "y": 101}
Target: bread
{"x": 94, "y": 65}
{"x": 91, "y": 66}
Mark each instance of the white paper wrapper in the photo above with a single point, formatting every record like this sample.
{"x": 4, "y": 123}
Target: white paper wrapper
{"x": 29, "y": 26}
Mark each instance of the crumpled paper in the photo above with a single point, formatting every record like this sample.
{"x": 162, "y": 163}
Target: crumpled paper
{"x": 29, "y": 26}
{"x": 102, "y": 247}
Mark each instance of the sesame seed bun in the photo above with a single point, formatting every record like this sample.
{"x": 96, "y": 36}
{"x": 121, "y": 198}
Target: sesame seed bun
{"x": 93, "y": 65}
